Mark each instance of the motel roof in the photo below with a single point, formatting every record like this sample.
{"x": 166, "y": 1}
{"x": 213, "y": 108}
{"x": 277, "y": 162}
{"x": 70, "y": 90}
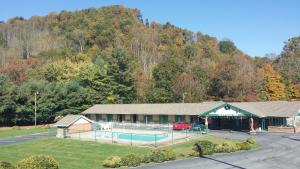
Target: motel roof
{"x": 69, "y": 120}
{"x": 260, "y": 109}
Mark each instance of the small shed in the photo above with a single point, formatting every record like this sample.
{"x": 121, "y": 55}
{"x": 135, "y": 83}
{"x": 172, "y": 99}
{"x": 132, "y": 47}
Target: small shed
{"x": 72, "y": 124}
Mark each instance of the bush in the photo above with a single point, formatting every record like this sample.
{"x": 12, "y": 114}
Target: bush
{"x": 227, "y": 147}
{"x": 131, "y": 160}
{"x": 47, "y": 126}
{"x": 169, "y": 154}
{"x": 16, "y": 128}
{"x": 193, "y": 153}
{"x": 157, "y": 156}
{"x": 6, "y": 165}
{"x": 146, "y": 158}
{"x": 160, "y": 155}
{"x": 112, "y": 162}
{"x": 207, "y": 147}
{"x": 38, "y": 162}
{"x": 251, "y": 140}
{"x": 244, "y": 146}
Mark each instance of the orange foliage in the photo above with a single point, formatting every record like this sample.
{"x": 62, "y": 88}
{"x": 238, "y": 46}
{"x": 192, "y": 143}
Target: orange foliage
{"x": 17, "y": 69}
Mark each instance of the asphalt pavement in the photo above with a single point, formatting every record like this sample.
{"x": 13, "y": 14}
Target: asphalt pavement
{"x": 278, "y": 151}
{"x": 19, "y": 139}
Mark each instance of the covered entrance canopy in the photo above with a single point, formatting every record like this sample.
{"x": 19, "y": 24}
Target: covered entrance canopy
{"x": 250, "y": 115}
{"x": 230, "y": 117}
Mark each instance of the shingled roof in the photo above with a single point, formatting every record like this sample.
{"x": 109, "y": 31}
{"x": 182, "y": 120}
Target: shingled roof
{"x": 166, "y": 108}
{"x": 270, "y": 108}
{"x": 69, "y": 120}
{"x": 260, "y": 109}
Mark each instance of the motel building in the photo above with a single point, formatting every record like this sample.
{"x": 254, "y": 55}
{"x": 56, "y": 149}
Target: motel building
{"x": 274, "y": 116}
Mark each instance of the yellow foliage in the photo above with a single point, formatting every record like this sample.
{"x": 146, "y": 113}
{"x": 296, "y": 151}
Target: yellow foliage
{"x": 274, "y": 86}
{"x": 63, "y": 70}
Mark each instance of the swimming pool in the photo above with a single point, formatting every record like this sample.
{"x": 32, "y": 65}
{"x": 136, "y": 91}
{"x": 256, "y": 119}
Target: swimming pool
{"x": 132, "y": 136}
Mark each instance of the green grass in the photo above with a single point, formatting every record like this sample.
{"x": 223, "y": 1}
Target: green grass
{"x": 23, "y": 131}
{"x": 74, "y": 154}
{"x": 71, "y": 154}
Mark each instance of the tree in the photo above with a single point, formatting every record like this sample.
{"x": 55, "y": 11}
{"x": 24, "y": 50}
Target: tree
{"x": 190, "y": 51}
{"x": 289, "y": 61}
{"x": 7, "y": 104}
{"x": 271, "y": 85}
{"x": 193, "y": 85}
{"x": 233, "y": 79}
{"x": 163, "y": 74}
{"x": 227, "y": 46}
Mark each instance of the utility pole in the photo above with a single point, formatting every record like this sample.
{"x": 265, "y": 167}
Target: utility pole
{"x": 183, "y": 96}
{"x": 36, "y": 93}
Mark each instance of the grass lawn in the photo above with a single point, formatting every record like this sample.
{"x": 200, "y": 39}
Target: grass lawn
{"x": 10, "y": 132}
{"x": 71, "y": 154}
{"x": 74, "y": 154}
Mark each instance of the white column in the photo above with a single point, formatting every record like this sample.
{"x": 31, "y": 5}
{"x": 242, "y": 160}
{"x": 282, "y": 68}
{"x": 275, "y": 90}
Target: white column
{"x": 206, "y": 122}
{"x": 251, "y": 124}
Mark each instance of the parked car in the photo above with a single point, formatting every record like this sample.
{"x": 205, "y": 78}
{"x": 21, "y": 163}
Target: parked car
{"x": 181, "y": 126}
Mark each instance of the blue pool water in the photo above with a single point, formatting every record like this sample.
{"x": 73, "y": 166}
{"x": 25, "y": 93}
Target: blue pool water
{"x": 133, "y": 136}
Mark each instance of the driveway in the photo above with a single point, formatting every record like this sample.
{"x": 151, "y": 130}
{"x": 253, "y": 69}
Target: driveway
{"x": 278, "y": 151}
{"x": 18, "y": 139}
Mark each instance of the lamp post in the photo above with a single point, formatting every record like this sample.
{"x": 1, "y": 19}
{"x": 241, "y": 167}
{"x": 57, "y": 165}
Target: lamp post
{"x": 35, "y": 94}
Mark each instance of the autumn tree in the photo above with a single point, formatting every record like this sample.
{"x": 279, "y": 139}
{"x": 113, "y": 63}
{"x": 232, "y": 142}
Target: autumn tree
{"x": 271, "y": 85}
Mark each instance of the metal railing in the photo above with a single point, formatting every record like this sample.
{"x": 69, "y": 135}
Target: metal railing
{"x": 135, "y": 137}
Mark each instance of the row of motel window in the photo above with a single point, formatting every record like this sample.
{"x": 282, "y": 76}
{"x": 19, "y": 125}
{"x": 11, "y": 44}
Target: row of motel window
{"x": 163, "y": 119}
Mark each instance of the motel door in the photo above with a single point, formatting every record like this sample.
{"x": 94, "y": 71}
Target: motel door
{"x": 178, "y": 118}
{"x": 147, "y": 119}
{"x": 97, "y": 117}
{"x": 109, "y": 117}
{"x": 164, "y": 119}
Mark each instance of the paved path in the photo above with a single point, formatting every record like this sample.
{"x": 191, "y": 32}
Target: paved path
{"x": 18, "y": 139}
{"x": 278, "y": 151}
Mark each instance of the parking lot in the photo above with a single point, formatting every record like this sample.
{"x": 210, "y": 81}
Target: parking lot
{"x": 278, "y": 151}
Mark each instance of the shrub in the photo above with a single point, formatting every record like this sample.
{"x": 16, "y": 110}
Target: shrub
{"x": 207, "y": 147}
{"x": 251, "y": 140}
{"x": 244, "y": 146}
{"x": 183, "y": 155}
{"x": 193, "y": 153}
{"x": 6, "y": 165}
{"x": 157, "y": 156}
{"x": 227, "y": 147}
{"x": 112, "y": 162}
{"x": 146, "y": 158}
{"x": 169, "y": 154}
{"x": 131, "y": 160}
{"x": 16, "y": 128}
{"x": 47, "y": 126}
{"x": 38, "y": 162}
{"x": 160, "y": 155}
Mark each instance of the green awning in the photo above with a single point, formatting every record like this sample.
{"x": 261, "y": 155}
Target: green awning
{"x": 238, "y": 112}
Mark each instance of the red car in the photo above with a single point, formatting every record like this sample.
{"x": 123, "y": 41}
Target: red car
{"x": 181, "y": 126}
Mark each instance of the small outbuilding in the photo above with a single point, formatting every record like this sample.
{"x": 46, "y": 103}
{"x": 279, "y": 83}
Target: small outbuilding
{"x": 72, "y": 124}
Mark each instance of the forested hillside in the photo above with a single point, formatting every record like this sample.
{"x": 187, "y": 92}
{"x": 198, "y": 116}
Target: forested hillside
{"x": 113, "y": 55}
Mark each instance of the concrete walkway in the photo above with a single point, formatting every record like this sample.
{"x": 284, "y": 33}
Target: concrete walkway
{"x": 18, "y": 139}
{"x": 278, "y": 151}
